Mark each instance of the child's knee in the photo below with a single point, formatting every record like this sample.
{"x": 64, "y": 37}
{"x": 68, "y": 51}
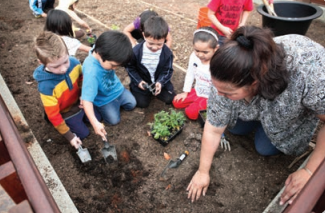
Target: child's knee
{"x": 192, "y": 113}
{"x": 83, "y": 134}
{"x": 112, "y": 121}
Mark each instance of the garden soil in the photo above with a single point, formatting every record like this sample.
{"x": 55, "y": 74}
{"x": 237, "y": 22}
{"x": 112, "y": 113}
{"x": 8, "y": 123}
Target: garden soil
{"x": 241, "y": 180}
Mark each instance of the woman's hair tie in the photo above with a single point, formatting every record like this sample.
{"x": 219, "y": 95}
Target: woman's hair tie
{"x": 244, "y": 42}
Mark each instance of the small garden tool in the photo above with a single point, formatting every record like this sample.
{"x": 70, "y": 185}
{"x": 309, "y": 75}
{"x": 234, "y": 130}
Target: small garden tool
{"x": 109, "y": 152}
{"x": 174, "y": 164}
{"x": 83, "y": 154}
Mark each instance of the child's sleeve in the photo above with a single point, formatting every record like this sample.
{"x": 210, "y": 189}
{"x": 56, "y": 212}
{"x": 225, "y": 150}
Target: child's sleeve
{"x": 248, "y": 6}
{"x": 214, "y": 5}
{"x": 33, "y": 6}
{"x": 189, "y": 78}
{"x": 167, "y": 71}
{"x": 132, "y": 70}
{"x": 137, "y": 23}
{"x": 52, "y": 110}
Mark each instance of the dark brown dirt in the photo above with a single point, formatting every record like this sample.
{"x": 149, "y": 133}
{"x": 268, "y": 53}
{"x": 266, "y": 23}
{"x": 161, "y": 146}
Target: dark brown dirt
{"x": 241, "y": 180}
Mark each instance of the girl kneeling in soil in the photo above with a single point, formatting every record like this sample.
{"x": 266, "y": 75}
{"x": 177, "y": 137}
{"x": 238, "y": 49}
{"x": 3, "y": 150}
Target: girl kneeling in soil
{"x": 101, "y": 88}
{"x": 59, "y": 22}
{"x": 272, "y": 86}
{"x": 205, "y": 44}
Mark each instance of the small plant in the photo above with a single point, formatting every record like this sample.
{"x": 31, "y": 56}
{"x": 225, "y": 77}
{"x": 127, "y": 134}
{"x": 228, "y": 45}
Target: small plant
{"x": 166, "y": 123}
{"x": 91, "y": 38}
{"x": 115, "y": 27}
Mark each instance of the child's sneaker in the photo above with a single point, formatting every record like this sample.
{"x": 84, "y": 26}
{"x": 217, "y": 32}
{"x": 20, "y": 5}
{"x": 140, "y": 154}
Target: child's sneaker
{"x": 38, "y": 16}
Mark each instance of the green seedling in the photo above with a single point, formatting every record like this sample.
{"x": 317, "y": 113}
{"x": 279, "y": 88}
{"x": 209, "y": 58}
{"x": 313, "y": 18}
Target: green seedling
{"x": 165, "y": 123}
{"x": 115, "y": 27}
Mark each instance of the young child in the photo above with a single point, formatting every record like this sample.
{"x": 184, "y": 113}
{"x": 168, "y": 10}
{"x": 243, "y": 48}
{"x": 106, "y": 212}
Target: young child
{"x": 152, "y": 65}
{"x": 205, "y": 43}
{"x": 69, "y": 6}
{"x": 60, "y": 23}
{"x": 134, "y": 30}
{"x": 226, "y": 16}
{"x": 102, "y": 89}
{"x": 38, "y": 7}
{"x": 59, "y": 80}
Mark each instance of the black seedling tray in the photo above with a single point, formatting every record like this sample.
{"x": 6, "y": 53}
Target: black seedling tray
{"x": 171, "y": 137}
{"x": 202, "y": 117}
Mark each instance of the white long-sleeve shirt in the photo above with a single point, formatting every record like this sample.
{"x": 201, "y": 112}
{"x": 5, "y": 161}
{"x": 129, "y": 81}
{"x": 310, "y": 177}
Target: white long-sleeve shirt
{"x": 201, "y": 73}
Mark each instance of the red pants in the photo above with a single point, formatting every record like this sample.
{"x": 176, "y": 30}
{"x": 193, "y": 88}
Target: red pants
{"x": 192, "y": 104}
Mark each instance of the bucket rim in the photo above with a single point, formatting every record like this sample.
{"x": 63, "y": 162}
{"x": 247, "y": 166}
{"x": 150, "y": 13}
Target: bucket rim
{"x": 317, "y": 14}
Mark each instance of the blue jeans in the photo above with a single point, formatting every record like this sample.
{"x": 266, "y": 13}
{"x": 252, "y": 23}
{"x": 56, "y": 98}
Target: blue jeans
{"x": 263, "y": 144}
{"x": 111, "y": 111}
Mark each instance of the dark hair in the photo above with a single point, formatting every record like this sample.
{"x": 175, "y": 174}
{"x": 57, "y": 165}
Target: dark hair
{"x": 155, "y": 27}
{"x": 252, "y": 55}
{"x": 59, "y": 22}
{"x": 114, "y": 46}
{"x": 206, "y": 36}
{"x": 145, "y": 15}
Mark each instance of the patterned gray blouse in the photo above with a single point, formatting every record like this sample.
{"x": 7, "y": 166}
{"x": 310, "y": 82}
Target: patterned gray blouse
{"x": 290, "y": 119}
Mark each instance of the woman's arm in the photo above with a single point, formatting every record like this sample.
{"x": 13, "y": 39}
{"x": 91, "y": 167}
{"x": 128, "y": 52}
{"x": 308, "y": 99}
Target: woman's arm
{"x": 297, "y": 180}
{"x": 201, "y": 180}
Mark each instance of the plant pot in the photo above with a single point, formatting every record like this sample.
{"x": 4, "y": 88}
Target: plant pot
{"x": 170, "y": 138}
{"x": 292, "y": 17}
{"x": 202, "y": 117}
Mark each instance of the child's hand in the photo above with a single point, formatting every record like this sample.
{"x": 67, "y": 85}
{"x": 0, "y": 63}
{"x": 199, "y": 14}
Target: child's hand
{"x": 141, "y": 84}
{"x": 158, "y": 88}
{"x": 180, "y": 97}
{"x": 81, "y": 105}
{"x": 76, "y": 142}
{"x": 100, "y": 129}
{"x": 89, "y": 30}
{"x": 227, "y": 31}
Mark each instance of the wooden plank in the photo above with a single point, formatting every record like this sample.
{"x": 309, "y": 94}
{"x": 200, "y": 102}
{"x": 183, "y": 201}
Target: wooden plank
{"x": 22, "y": 207}
{"x": 12, "y": 185}
{"x": 6, "y": 169}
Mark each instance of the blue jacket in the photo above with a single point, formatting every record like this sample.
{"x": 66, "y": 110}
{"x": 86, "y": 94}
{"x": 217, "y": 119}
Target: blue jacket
{"x": 139, "y": 72}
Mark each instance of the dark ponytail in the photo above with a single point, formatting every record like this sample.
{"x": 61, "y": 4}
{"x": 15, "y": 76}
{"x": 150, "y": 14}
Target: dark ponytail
{"x": 252, "y": 55}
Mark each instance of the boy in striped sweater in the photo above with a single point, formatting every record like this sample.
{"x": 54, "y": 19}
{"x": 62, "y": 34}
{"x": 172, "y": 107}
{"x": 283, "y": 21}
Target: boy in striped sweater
{"x": 59, "y": 80}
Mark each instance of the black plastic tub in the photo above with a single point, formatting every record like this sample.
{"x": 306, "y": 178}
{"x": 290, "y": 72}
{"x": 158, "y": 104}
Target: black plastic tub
{"x": 170, "y": 138}
{"x": 293, "y": 17}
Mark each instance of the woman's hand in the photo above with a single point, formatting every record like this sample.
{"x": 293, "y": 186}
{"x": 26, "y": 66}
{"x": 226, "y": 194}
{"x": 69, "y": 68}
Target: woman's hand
{"x": 180, "y": 97}
{"x": 158, "y": 88}
{"x": 293, "y": 185}
{"x": 76, "y": 142}
{"x": 99, "y": 129}
{"x": 199, "y": 184}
